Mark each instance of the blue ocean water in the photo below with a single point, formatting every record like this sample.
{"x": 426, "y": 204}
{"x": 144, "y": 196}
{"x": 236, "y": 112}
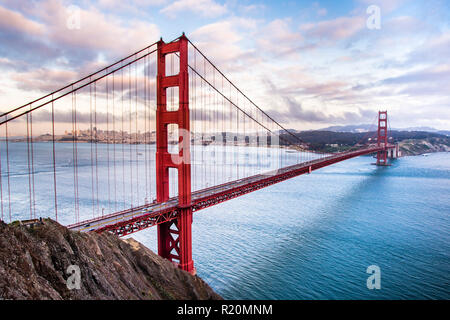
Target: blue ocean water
{"x": 313, "y": 236}
{"x": 310, "y": 237}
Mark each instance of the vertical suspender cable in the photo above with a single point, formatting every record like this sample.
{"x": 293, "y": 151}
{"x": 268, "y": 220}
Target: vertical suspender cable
{"x": 29, "y": 168}
{"x": 54, "y": 160}
{"x": 32, "y": 164}
{"x": 107, "y": 142}
{"x": 130, "y": 136}
{"x": 92, "y": 150}
{"x": 7, "y": 167}
{"x": 96, "y": 147}
{"x": 114, "y": 142}
{"x": 136, "y": 133}
{"x": 1, "y": 185}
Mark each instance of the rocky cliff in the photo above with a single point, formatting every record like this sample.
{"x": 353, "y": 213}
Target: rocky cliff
{"x": 412, "y": 147}
{"x": 35, "y": 264}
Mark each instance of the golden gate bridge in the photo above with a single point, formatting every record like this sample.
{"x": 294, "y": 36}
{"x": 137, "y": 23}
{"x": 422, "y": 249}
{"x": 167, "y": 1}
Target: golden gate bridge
{"x": 151, "y": 139}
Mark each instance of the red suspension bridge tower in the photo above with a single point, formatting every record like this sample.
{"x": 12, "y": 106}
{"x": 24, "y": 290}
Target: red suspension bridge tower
{"x": 382, "y": 139}
{"x": 175, "y": 236}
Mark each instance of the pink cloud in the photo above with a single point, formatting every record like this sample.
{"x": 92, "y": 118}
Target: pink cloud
{"x": 277, "y": 37}
{"x": 15, "y": 21}
{"x": 206, "y": 8}
{"x": 43, "y": 79}
{"x": 334, "y": 30}
{"x": 386, "y": 6}
{"x": 98, "y": 31}
{"x": 221, "y": 40}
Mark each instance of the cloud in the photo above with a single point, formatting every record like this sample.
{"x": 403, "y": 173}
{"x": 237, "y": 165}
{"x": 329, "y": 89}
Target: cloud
{"x": 133, "y": 8}
{"x": 300, "y": 83}
{"x": 252, "y": 8}
{"x": 22, "y": 39}
{"x": 386, "y": 6}
{"x": 435, "y": 49}
{"x": 221, "y": 42}
{"x": 6, "y": 62}
{"x": 436, "y": 74}
{"x": 403, "y": 24}
{"x": 278, "y": 38}
{"x": 432, "y": 81}
{"x": 130, "y": 3}
{"x": 205, "y": 8}
{"x": 334, "y": 30}
{"x": 296, "y": 112}
{"x": 43, "y": 79}
{"x": 98, "y": 31}
{"x": 319, "y": 10}
{"x": 16, "y": 22}
{"x": 328, "y": 89}
{"x": 51, "y": 39}
{"x": 322, "y": 12}
{"x": 48, "y": 80}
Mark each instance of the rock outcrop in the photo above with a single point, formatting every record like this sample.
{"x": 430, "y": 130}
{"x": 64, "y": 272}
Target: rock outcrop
{"x": 413, "y": 147}
{"x": 35, "y": 264}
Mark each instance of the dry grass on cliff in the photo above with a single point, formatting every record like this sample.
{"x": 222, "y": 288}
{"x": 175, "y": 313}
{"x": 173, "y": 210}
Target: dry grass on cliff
{"x": 34, "y": 262}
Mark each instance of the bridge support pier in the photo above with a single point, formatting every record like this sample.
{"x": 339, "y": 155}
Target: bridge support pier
{"x": 185, "y": 236}
{"x": 175, "y": 240}
{"x": 174, "y": 237}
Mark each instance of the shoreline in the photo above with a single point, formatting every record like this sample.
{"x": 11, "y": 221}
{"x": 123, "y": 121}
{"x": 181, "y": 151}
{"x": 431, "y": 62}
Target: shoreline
{"x": 407, "y": 148}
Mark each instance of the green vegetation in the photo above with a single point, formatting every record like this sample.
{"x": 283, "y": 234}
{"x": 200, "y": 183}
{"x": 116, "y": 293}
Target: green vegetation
{"x": 411, "y": 142}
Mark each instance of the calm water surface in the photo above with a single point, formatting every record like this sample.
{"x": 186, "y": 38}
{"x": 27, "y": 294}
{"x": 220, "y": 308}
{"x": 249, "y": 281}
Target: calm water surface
{"x": 310, "y": 237}
{"x": 313, "y": 237}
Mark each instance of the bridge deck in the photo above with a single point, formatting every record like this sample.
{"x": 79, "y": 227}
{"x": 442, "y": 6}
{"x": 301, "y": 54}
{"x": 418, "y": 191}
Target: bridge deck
{"x": 138, "y": 218}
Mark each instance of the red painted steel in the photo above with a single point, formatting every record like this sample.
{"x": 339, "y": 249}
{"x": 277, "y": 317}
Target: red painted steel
{"x": 174, "y": 235}
{"x": 382, "y": 139}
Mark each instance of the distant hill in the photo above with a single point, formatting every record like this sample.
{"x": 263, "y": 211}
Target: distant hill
{"x": 427, "y": 129}
{"x": 350, "y": 128}
{"x": 411, "y": 142}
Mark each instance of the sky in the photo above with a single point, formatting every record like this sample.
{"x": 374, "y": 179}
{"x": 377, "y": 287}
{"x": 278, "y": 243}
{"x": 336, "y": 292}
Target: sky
{"x": 309, "y": 64}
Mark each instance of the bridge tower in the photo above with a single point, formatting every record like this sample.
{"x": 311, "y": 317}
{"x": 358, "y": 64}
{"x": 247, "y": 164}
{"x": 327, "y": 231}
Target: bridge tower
{"x": 382, "y": 139}
{"x": 175, "y": 236}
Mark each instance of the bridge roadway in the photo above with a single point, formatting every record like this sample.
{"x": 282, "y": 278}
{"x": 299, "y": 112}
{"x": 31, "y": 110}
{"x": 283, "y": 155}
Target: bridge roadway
{"x": 148, "y": 215}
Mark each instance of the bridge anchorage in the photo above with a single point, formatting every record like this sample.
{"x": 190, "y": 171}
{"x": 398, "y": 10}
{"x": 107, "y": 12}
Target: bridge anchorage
{"x": 225, "y": 147}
